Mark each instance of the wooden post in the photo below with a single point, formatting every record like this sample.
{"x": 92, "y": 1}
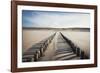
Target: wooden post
{"x": 36, "y": 57}
{"x": 41, "y": 51}
{"x": 82, "y": 55}
{"x": 78, "y": 51}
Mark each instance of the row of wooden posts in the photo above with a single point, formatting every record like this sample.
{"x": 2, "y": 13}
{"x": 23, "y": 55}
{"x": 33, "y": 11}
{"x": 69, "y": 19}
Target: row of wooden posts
{"x": 36, "y": 51}
{"x": 79, "y": 52}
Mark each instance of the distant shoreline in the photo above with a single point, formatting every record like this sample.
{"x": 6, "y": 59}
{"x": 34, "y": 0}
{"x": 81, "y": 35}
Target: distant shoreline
{"x": 71, "y": 29}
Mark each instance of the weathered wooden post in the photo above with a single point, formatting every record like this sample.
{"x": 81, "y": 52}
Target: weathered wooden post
{"x": 36, "y": 56}
{"x": 78, "y": 51}
{"x": 82, "y": 55}
{"x": 74, "y": 48}
{"x": 41, "y": 51}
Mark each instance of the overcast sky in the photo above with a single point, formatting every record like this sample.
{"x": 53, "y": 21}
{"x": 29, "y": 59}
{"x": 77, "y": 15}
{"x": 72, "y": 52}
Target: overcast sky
{"x": 31, "y": 18}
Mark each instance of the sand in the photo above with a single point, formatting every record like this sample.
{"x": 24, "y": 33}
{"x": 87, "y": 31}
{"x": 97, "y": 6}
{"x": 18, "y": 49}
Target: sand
{"x": 79, "y": 38}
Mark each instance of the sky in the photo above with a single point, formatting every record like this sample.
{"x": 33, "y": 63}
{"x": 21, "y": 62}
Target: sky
{"x": 53, "y": 19}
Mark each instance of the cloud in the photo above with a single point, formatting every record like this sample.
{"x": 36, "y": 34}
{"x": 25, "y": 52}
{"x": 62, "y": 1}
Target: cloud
{"x": 57, "y": 19}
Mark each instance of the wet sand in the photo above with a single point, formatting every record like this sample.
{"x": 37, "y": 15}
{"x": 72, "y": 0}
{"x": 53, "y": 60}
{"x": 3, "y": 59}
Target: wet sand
{"x": 30, "y": 37}
{"x": 80, "y": 38}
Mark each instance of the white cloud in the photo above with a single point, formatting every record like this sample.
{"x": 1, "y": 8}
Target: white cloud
{"x": 60, "y": 20}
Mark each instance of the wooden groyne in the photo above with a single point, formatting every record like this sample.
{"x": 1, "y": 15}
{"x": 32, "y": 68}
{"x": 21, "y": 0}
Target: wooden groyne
{"x": 37, "y": 50}
{"x": 64, "y": 49}
{"x": 77, "y": 50}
